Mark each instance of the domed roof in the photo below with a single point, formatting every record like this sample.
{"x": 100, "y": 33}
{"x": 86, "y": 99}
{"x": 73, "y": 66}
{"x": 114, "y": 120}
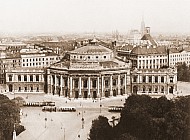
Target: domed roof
{"x": 90, "y": 49}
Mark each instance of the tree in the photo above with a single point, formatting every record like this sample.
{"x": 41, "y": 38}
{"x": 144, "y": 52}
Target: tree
{"x": 177, "y": 124}
{"x": 101, "y": 130}
{"x": 9, "y": 115}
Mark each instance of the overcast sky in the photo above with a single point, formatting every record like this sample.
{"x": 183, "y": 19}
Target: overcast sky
{"x": 37, "y": 16}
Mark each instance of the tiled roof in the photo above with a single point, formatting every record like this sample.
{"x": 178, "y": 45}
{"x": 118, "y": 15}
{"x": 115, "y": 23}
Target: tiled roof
{"x": 187, "y": 49}
{"x": 148, "y": 37}
{"x": 144, "y": 50}
{"x": 92, "y": 49}
{"x": 125, "y": 47}
{"x": 174, "y": 50}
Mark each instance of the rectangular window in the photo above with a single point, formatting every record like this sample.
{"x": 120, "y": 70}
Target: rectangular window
{"x": 171, "y": 79}
{"x": 106, "y": 83}
{"x": 31, "y": 78}
{"x": 85, "y": 84}
{"x": 25, "y": 78}
{"x": 156, "y": 79}
{"x": 19, "y": 77}
{"x": 162, "y": 79}
{"x": 10, "y": 77}
{"x": 144, "y": 79}
{"x": 37, "y": 77}
{"x": 150, "y": 79}
{"x": 94, "y": 83}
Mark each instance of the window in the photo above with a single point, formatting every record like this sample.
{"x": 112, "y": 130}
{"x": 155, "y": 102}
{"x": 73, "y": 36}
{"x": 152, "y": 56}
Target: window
{"x": 19, "y": 89}
{"x": 43, "y": 59}
{"x": 171, "y": 79}
{"x": 76, "y": 83}
{"x": 162, "y": 89}
{"x": 88, "y": 57}
{"x": 85, "y": 84}
{"x": 104, "y": 57}
{"x": 37, "y": 89}
{"x": 114, "y": 82}
{"x": 144, "y": 79}
{"x": 106, "y": 83}
{"x": 26, "y": 60}
{"x": 150, "y": 79}
{"x": 135, "y": 79}
{"x": 10, "y": 77}
{"x": 31, "y": 88}
{"x": 25, "y": 88}
{"x": 80, "y": 57}
{"x": 144, "y": 89}
{"x": 162, "y": 79}
{"x": 94, "y": 83}
{"x": 121, "y": 81}
{"x": 25, "y": 78}
{"x": 39, "y": 59}
{"x": 19, "y": 77}
{"x": 23, "y": 60}
{"x": 31, "y": 78}
{"x": 96, "y": 57}
{"x": 37, "y": 77}
{"x": 156, "y": 79}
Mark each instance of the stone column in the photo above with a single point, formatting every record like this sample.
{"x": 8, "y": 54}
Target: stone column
{"x": 89, "y": 85}
{"x": 111, "y": 86}
{"x": 125, "y": 83}
{"x": 55, "y": 84}
{"x": 71, "y": 86}
{"x": 98, "y": 87}
{"x": 80, "y": 86}
{"x": 61, "y": 85}
{"x": 118, "y": 84}
{"x": 102, "y": 94}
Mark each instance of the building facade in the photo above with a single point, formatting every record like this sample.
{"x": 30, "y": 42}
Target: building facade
{"x": 154, "y": 82}
{"x": 25, "y": 81}
{"x": 91, "y": 72}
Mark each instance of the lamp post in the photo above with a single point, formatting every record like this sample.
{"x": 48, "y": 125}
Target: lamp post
{"x": 100, "y": 105}
{"x": 82, "y": 119}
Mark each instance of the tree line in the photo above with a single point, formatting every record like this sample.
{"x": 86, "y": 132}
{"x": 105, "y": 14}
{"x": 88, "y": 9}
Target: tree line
{"x": 9, "y": 116}
{"x": 146, "y": 118}
{"x": 183, "y": 72}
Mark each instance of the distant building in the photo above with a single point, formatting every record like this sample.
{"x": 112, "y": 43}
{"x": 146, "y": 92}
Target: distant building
{"x": 145, "y": 57}
{"x": 179, "y": 56}
{"x": 12, "y": 47}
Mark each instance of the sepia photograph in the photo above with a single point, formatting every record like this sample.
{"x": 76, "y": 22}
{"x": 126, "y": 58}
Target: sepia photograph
{"x": 94, "y": 70}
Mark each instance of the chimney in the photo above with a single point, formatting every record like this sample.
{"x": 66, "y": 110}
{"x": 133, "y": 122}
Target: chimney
{"x": 147, "y": 30}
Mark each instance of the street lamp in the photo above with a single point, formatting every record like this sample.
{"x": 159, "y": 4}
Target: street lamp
{"x": 82, "y": 119}
{"x": 100, "y": 105}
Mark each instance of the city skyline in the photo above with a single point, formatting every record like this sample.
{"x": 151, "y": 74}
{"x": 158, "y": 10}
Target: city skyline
{"x": 66, "y": 16}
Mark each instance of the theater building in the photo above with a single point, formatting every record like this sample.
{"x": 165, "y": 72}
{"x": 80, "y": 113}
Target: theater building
{"x": 91, "y": 71}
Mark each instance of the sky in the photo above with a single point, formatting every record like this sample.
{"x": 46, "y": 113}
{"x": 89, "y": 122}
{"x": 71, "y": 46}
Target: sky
{"x": 64, "y": 16}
